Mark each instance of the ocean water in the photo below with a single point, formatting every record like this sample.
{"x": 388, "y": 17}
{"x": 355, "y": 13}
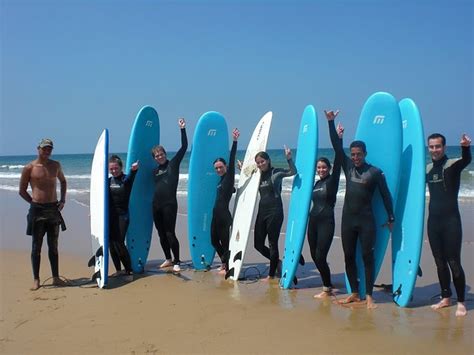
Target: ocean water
{"x": 77, "y": 167}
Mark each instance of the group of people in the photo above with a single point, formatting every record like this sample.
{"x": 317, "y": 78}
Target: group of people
{"x": 358, "y": 223}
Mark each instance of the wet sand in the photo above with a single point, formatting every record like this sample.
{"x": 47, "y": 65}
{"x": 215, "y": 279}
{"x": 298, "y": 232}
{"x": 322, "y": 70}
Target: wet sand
{"x": 200, "y": 312}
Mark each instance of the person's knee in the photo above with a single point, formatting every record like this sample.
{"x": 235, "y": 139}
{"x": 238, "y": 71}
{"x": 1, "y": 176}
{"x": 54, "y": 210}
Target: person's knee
{"x": 441, "y": 263}
{"x": 456, "y": 268}
{"x": 368, "y": 258}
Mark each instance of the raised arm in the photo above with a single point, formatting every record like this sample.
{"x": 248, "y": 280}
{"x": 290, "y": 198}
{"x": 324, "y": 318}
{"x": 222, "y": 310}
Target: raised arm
{"x": 184, "y": 141}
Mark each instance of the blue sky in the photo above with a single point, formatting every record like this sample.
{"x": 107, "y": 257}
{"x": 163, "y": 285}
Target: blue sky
{"x": 71, "y": 68}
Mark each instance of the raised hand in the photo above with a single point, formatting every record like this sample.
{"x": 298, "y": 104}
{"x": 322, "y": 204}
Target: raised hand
{"x": 181, "y": 123}
{"x": 331, "y": 115}
{"x": 340, "y": 130}
{"x": 465, "y": 140}
{"x": 235, "y": 134}
{"x": 287, "y": 152}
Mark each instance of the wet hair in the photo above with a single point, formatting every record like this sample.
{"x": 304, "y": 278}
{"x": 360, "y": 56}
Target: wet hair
{"x": 325, "y": 161}
{"x": 358, "y": 144}
{"x": 263, "y": 155}
{"x": 156, "y": 149}
{"x": 116, "y": 159}
{"x": 438, "y": 135}
{"x": 222, "y": 160}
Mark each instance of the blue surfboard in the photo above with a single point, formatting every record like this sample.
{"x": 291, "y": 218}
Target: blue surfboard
{"x": 380, "y": 127}
{"x": 210, "y": 142}
{"x": 300, "y": 195}
{"x": 144, "y": 135}
{"x": 407, "y": 238}
{"x": 99, "y": 210}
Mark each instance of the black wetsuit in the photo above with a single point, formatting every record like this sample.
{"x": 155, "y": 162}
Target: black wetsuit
{"x": 120, "y": 188}
{"x": 270, "y": 213}
{"x": 358, "y": 221}
{"x": 44, "y": 218}
{"x": 444, "y": 221}
{"x": 165, "y": 204}
{"x": 221, "y": 217}
{"x": 321, "y": 220}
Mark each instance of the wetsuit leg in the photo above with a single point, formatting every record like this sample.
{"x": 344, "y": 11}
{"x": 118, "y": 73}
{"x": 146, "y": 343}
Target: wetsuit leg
{"x": 325, "y": 233}
{"x": 225, "y": 236}
{"x": 435, "y": 237}
{"x": 274, "y": 228}
{"x": 349, "y": 237}
{"x": 453, "y": 241}
{"x": 39, "y": 231}
{"x": 170, "y": 213}
{"x": 52, "y": 230}
{"x": 114, "y": 232}
{"x": 158, "y": 218}
{"x": 215, "y": 240}
{"x": 120, "y": 245}
{"x": 260, "y": 233}
{"x": 367, "y": 242}
{"x": 313, "y": 237}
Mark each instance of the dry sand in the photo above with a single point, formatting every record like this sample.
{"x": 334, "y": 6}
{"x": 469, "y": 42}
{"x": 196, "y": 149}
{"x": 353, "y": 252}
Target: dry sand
{"x": 202, "y": 313}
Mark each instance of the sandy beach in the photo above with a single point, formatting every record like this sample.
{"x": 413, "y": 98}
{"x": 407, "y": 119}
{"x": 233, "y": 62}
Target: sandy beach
{"x": 200, "y": 312}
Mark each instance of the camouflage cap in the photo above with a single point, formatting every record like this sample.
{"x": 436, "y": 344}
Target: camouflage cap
{"x": 45, "y": 142}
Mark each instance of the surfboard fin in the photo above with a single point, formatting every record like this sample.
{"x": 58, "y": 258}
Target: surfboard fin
{"x": 91, "y": 261}
{"x": 229, "y": 273}
{"x": 96, "y": 276}
{"x": 295, "y": 280}
{"x": 238, "y": 256}
{"x": 100, "y": 252}
{"x": 302, "y": 261}
{"x": 398, "y": 292}
{"x": 419, "y": 272}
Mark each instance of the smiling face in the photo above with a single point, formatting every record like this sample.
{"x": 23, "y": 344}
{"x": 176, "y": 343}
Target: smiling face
{"x": 262, "y": 164}
{"x": 358, "y": 156}
{"x": 436, "y": 148}
{"x": 160, "y": 157}
{"x": 45, "y": 152}
{"x": 322, "y": 169}
{"x": 220, "y": 168}
{"x": 115, "y": 169}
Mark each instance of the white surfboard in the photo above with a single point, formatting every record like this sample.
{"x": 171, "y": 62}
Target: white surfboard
{"x": 99, "y": 208}
{"x": 247, "y": 196}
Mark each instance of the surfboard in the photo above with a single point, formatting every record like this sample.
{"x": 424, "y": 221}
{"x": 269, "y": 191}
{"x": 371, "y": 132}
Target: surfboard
{"x": 99, "y": 210}
{"x": 300, "y": 200}
{"x": 246, "y": 197}
{"x": 210, "y": 141}
{"x": 144, "y": 135}
{"x": 380, "y": 127}
{"x": 407, "y": 238}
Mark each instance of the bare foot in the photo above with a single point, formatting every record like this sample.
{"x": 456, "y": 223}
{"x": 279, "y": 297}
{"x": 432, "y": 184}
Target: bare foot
{"x": 352, "y": 298}
{"x": 36, "y": 285}
{"x": 370, "y": 303}
{"x": 166, "y": 263}
{"x": 117, "y": 273}
{"x": 58, "y": 282}
{"x": 445, "y": 302}
{"x": 461, "y": 310}
{"x": 324, "y": 294}
{"x": 268, "y": 278}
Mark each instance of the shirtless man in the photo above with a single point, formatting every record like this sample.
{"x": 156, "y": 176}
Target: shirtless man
{"x": 44, "y": 216}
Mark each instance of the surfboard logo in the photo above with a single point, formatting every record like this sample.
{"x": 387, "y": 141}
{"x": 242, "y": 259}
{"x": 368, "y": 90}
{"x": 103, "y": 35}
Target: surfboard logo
{"x": 305, "y": 128}
{"x": 149, "y": 124}
{"x": 404, "y": 124}
{"x": 212, "y": 133}
{"x": 378, "y": 119}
